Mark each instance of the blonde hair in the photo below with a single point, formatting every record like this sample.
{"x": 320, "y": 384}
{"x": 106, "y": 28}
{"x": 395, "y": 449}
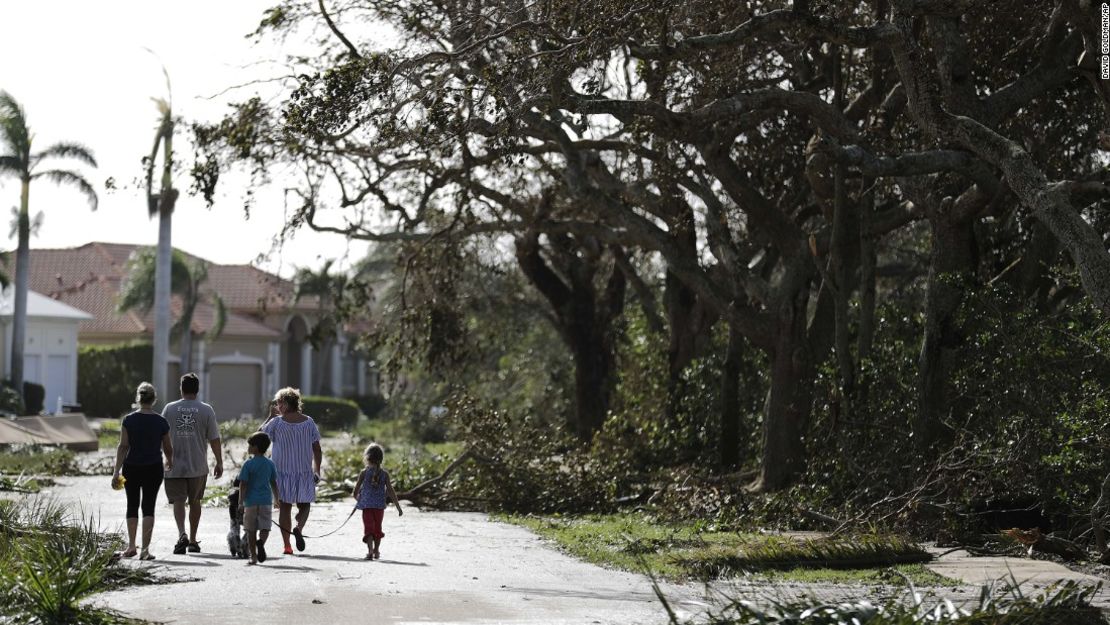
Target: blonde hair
{"x": 145, "y": 395}
{"x": 290, "y": 396}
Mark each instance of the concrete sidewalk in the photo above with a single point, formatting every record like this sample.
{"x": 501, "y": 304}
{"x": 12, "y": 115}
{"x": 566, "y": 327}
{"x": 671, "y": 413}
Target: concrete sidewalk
{"x": 1032, "y": 576}
{"x": 436, "y": 567}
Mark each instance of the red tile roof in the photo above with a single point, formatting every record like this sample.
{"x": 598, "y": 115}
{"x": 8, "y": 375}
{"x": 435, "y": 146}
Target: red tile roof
{"x": 88, "y": 277}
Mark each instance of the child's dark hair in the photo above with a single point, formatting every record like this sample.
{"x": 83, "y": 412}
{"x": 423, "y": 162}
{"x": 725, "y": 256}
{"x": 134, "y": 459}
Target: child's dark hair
{"x": 373, "y": 455}
{"x": 260, "y": 441}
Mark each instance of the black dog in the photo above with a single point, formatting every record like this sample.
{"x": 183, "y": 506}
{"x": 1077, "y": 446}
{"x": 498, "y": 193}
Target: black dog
{"x": 236, "y": 537}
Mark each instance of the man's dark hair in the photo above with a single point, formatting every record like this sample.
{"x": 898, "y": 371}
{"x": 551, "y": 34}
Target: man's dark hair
{"x": 190, "y": 384}
{"x": 260, "y": 441}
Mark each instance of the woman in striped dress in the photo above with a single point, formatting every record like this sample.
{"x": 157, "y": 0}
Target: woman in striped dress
{"x": 297, "y": 455}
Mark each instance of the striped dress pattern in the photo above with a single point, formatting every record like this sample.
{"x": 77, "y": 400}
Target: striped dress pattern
{"x": 292, "y": 455}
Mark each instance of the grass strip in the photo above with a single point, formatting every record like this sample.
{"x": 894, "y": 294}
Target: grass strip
{"x": 640, "y": 543}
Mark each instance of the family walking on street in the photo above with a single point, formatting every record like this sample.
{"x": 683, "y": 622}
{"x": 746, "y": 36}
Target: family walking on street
{"x": 172, "y": 448}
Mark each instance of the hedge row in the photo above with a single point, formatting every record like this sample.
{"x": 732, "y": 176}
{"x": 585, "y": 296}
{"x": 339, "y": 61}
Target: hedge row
{"x": 331, "y": 412}
{"x": 108, "y": 374}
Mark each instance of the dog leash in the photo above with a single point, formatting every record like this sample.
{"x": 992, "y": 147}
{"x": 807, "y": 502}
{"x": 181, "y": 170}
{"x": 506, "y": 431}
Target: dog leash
{"x": 352, "y": 513}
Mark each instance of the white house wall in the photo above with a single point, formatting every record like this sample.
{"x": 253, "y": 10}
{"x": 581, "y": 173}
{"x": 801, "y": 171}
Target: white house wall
{"x": 50, "y": 359}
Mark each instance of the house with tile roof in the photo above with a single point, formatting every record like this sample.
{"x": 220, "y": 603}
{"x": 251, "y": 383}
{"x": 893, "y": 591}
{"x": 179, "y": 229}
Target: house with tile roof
{"x": 263, "y": 346}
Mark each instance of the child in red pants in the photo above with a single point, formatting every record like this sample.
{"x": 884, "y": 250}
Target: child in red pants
{"x": 373, "y": 491}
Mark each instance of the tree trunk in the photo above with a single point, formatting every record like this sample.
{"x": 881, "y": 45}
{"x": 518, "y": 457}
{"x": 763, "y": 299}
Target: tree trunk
{"x": 689, "y": 321}
{"x": 162, "y": 320}
{"x": 167, "y": 200}
{"x": 843, "y": 248}
{"x": 867, "y": 264}
{"x": 790, "y": 397}
{"x": 1032, "y": 276}
{"x": 22, "y": 277}
{"x": 593, "y": 379}
{"x": 952, "y": 264}
{"x": 730, "y": 400}
{"x": 585, "y": 317}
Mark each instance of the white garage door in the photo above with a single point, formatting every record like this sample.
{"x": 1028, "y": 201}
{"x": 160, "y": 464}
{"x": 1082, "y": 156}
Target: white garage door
{"x": 235, "y": 390}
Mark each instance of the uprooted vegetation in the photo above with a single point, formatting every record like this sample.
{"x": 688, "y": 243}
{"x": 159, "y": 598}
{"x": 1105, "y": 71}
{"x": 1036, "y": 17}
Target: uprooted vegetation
{"x": 30, "y": 461}
{"x": 52, "y": 559}
{"x": 1028, "y": 451}
{"x": 1066, "y": 603}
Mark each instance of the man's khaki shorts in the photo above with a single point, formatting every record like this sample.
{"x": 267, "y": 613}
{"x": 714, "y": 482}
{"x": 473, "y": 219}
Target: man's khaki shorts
{"x": 188, "y": 489}
{"x": 258, "y": 518}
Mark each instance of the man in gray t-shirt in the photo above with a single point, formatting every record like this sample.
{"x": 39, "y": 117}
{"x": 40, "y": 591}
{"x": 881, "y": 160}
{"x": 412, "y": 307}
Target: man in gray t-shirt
{"x": 193, "y": 429}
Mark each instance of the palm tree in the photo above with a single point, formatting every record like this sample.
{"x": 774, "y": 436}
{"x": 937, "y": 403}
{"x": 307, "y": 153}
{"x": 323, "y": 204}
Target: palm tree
{"x": 324, "y": 286}
{"x": 162, "y": 204}
{"x": 17, "y": 159}
{"x": 138, "y": 292}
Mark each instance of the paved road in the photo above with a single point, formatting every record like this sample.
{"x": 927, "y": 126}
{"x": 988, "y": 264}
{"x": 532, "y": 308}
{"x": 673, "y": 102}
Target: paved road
{"x": 436, "y": 567}
{"x": 445, "y": 567}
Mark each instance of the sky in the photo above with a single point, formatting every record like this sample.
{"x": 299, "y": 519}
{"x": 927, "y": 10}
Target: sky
{"x": 80, "y": 71}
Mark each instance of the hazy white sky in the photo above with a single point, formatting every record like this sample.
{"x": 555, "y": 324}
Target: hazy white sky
{"x": 79, "y": 69}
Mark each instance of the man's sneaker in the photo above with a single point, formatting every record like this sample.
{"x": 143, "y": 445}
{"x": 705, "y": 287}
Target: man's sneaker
{"x": 194, "y": 547}
{"x": 261, "y": 552}
{"x": 182, "y": 543}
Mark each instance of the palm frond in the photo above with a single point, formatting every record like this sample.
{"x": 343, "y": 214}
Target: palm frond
{"x": 12, "y": 165}
{"x": 220, "y": 320}
{"x": 35, "y": 223}
{"x": 5, "y": 262}
{"x": 15, "y": 136}
{"x": 182, "y": 275}
{"x": 319, "y": 283}
{"x": 163, "y": 108}
{"x": 72, "y": 178}
{"x": 67, "y": 149}
{"x": 137, "y": 290}
{"x": 166, "y": 74}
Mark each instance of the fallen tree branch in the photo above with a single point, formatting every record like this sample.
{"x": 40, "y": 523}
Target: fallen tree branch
{"x": 426, "y": 484}
{"x": 822, "y": 518}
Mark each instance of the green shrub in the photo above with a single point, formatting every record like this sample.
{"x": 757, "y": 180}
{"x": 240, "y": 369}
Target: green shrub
{"x": 11, "y": 402}
{"x": 239, "y": 428}
{"x": 34, "y": 397}
{"x": 108, "y": 374}
{"x": 1024, "y": 441}
{"x": 333, "y": 413}
{"x": 370, "y": 405}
